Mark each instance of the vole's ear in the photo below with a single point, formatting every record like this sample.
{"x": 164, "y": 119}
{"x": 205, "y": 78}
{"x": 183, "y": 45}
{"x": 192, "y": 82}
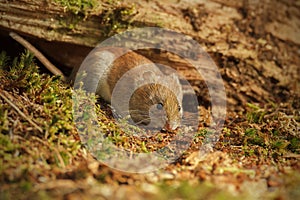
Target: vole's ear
{"x": 145, "y": 77}
{"x": 173, "y": 82}
{"x": 174, "y": 78}
{"x": 149, "y": 76}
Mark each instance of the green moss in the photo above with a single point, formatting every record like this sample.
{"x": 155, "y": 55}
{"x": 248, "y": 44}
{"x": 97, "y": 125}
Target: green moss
{"x": 118, "y": 18}
{"x": 144, "y": 147}
{"x": 26, "y": 186}
{"x": 78, "y": 6}
{"x": 79, "y": 9}
{"x": 280, "y": 144}
{"x": 274, "y": 130}
{"x": 70, "y": 22}
{"x": 256, "y": 114}
{"x": 4, "y": 128}
{"x": 252, "y": 136}
{"x": 294, "y": 145}
{"x": 3, "y": 59}
{"x": 6, "y": 145}
{"x": 48, "y": 103}
{"x": 248, "y": 151}
{"x": 186, "y": 190}
{"x": 115, "y": 16}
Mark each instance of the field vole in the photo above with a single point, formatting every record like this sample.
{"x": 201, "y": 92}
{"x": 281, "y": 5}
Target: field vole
{"x": 150, "y": 96}
{"x": 156, "y": 99}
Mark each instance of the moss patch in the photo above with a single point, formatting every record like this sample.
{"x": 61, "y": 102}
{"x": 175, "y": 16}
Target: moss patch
{"x": 79, "y": 6}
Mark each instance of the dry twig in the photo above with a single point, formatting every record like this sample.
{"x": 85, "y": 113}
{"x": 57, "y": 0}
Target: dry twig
{"x": 37, "y": 54}
{"x": 20, "y": 112}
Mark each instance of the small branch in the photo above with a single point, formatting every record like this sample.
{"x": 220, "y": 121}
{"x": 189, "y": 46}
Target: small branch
{"x": 37, "y": 54}
{"x": 21, "y": 113}
{"x": 60, "y": 159}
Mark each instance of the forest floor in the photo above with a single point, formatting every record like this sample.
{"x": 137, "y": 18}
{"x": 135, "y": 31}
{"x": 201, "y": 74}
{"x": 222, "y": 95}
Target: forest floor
{"x": 257, "y": 50}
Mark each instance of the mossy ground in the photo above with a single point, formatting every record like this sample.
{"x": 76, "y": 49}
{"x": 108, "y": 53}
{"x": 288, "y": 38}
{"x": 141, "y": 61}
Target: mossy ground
{"x": 256, "y": 157}
{"x": 42, "y": 156}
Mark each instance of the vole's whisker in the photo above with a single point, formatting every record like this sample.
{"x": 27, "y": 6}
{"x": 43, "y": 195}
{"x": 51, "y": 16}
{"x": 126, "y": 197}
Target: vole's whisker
{"x": 142, "y": 121}
{"x": 140, "y": 112}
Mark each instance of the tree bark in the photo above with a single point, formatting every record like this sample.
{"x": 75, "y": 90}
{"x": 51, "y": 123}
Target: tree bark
{"x": 255, "y": 44}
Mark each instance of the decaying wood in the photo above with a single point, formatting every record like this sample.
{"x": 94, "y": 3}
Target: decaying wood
{"x": 50, "y": 21}
{"x": 255, "y": 47}
{"x": 47, "y": 20}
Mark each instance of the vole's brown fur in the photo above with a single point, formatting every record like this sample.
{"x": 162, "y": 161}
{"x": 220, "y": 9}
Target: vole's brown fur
{"x": 154, "y": 94}
{"x": 144, "y": 97}
{"x": 105, "y": 66}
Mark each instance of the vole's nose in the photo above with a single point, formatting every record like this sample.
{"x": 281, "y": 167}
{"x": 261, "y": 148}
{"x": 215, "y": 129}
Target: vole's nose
{"x": 167, "y": 126}
{"x": 171, "y": 126}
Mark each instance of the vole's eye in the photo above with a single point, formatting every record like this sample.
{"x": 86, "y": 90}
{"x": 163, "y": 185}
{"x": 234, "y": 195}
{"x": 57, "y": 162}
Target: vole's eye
{"x": 179, "y": 108}
{"x": 159, "y": 106}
